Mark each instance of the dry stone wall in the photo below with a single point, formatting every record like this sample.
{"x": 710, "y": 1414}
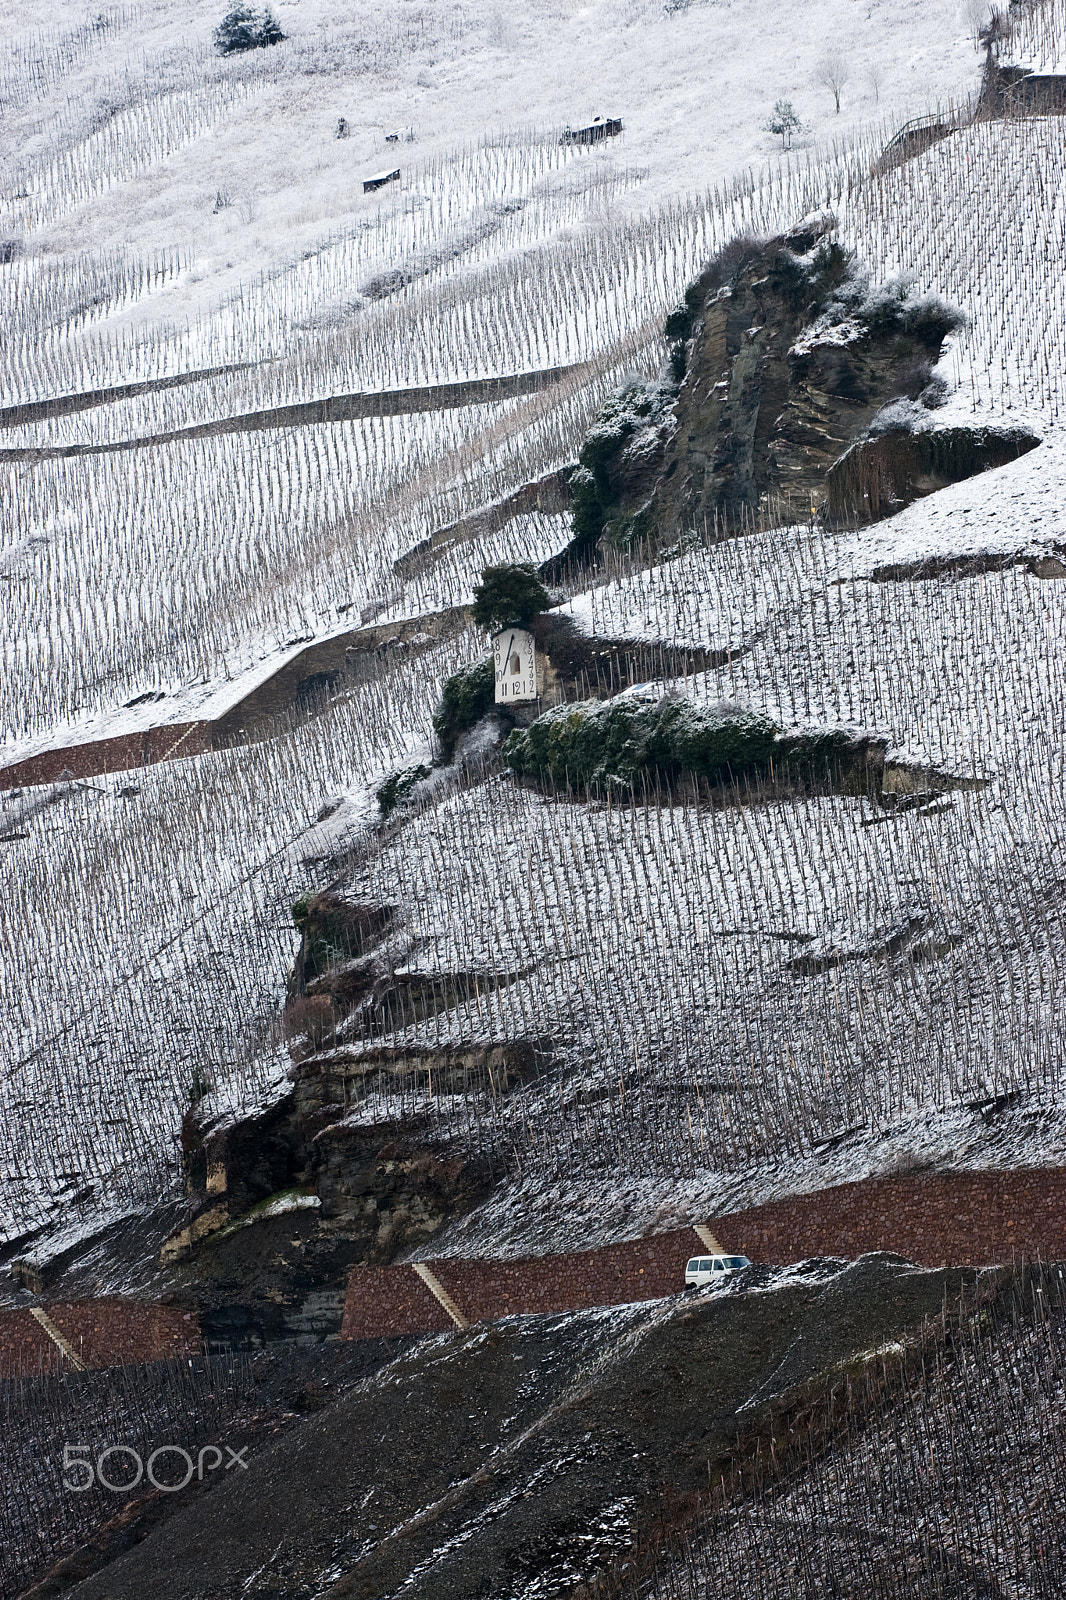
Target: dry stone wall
{"x": 394, "y": 1300}
{"x": 958, "y": 1219}
{"x": 124, "y": 752}
{"x": 106, "y": 1332}
{"x": 251, "y": 717}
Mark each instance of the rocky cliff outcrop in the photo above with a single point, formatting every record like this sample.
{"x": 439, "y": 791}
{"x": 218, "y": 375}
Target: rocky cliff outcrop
{"x": 780, "y": 357}
{"x": 351, "y": 1163}
{"x": 280, "y": 1206}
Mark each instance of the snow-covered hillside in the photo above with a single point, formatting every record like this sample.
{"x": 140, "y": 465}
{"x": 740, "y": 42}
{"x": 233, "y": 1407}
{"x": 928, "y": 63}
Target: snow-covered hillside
{"x": 694, "y": 84}
{"x": 134, "y": 153}
{"x": 168, "y": 212}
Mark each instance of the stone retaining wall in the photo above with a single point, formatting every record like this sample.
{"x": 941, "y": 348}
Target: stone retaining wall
{"x": 394, "y": 1300}
{"x": 330, "y": 408}
{"x": 122, "y": 753}
{"x": 955, "y": 1218}
{"x": 383, "y": 1302}
{"x": 106, "y": 1332}
{"x": 252, "y": 717}
{"x": 961, "y": 1219}
{"x": 64, "y": 405}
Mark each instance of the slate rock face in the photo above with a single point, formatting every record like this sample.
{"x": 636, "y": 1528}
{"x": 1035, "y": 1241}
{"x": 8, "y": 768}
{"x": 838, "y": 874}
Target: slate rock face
{"x": 534, "y": 1455}
{"x": 782, "y": 354}
{"x": 281, "y": 1206}
{"x": 890, "y": 468}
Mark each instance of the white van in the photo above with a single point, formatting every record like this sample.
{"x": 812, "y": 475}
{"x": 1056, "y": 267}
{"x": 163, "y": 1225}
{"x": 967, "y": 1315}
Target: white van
{"x": 702, "y": 1270}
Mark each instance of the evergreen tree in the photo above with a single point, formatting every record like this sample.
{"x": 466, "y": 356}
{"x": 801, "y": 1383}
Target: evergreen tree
{"x": 784, "y": 122}
{"x": 247, "y": 28}
{"x": 508, "y": 596}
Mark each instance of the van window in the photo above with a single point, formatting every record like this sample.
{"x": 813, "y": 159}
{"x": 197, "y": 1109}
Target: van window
{"x": 706, "y": 1266}
{"x": 736, "y": 1262}
{"x": 693, "y": 1266}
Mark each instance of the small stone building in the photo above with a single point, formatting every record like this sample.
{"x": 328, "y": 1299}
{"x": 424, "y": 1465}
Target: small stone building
{"x": 380, "y": 179}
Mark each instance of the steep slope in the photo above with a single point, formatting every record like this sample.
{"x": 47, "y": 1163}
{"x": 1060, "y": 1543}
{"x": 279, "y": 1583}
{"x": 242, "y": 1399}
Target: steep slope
{"x": 526, "y": 1458}
{"x": 518, "y": 1012}
{"x": 244, "y": 168}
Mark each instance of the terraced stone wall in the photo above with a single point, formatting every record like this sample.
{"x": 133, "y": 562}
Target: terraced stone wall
{"x": 122, "y": 753}
{"x": 394, "y": 1300}
{"x": 106, "y": 1332}
{"x": 958, "y": 1219}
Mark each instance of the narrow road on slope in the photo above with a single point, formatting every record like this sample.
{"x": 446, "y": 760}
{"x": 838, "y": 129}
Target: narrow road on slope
{"x": 64, "y": 405}
{"x": 304, "y": 413}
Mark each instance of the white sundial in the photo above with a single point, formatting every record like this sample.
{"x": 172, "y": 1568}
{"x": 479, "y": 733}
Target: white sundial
{"x": 514, "y": 658}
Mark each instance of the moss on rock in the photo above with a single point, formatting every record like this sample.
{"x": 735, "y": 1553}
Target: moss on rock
{"x": 619, "y": 744}
{"x": 623, "y": 745}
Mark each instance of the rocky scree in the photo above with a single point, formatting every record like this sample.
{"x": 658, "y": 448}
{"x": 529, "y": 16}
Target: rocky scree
{"x": 533, "y": 1456}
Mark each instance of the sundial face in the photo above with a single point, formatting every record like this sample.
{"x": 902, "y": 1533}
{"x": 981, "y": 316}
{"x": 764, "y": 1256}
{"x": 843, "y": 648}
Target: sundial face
{"x": 514, "y": 657}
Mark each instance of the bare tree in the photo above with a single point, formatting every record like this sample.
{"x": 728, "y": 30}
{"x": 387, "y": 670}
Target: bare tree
{"x": 975, "y": 15}
{"x": 832, "y": 73}
{"x": 875, "y": 77}
{"x": 995, "y": 32}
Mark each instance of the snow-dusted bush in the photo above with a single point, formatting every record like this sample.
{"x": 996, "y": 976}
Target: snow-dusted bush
{"x": 900, "y": 415}
{"x": 785, "y": 122}
{"x": 398, "y": 787}
{"x": 638, "y": 405}
{"x": 626, "y": 744}
{"x": 895, "y": 307}
{"x": 622, "y": 743}
{"x": 247, "y": 28}
{"x": 467, "y": 696}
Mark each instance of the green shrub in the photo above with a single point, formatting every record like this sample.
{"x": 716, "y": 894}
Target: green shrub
{"x": 587, "y": 514}
{"x": 397, "y": 787}
{"x": 680, "y": 321}
{"x": 619, "y": 744}
{"x": 847, "y": 760}
{"x": 509, "y": 596}
{"x": 717, "y": 745}
{"x": 335, "y": 930}
{"x": 815, "y": 747}
{"x": 467, "y": 696}
{"x": 599, "y": 480}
